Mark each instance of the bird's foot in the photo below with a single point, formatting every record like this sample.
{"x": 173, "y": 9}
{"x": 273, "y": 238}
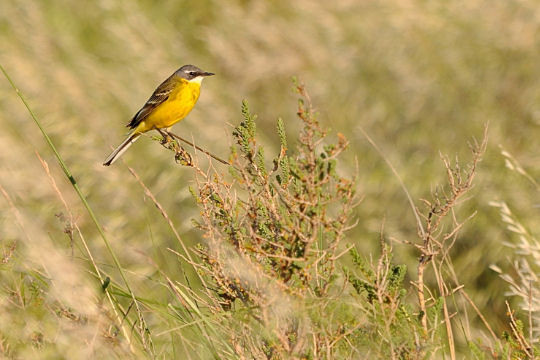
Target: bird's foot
{"x": 167, "y": 138}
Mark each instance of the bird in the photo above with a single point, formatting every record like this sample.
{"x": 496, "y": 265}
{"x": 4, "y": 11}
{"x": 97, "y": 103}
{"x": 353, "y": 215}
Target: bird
{"x": 171, "y": 102}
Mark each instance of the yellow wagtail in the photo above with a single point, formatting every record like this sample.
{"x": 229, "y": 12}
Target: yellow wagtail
{"x": 170, "y": 103}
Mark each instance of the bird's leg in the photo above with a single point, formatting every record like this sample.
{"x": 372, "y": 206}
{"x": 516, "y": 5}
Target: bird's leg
{"x": 166, "y": 137}
{"x": 181, "y": 156}
{"x": 170, "y": 139}
{"x": 167, "y": 132}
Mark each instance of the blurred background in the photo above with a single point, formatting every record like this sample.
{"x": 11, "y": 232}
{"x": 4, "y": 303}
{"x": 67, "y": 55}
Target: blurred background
{"x": 422, "y": 78}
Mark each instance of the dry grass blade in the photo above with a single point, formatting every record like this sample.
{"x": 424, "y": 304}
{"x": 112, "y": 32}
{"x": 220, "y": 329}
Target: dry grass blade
{"x": 68, "y": 174}
{"x": 97, "y": 270}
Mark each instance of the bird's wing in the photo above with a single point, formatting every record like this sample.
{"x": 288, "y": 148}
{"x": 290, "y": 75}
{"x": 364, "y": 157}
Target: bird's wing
{"x": 158, "y": 97}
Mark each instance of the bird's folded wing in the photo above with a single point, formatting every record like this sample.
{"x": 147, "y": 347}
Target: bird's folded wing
{"x": 160, "y": 95}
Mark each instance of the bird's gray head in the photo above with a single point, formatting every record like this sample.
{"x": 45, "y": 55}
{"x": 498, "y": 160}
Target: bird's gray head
{"x": 192, "y": 73}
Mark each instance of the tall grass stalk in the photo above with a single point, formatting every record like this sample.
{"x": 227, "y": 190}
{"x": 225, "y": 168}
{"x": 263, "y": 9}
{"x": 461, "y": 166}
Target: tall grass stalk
{"x": 83, "y": 199}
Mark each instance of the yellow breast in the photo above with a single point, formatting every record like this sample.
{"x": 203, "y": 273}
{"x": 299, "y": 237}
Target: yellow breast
{"x": 180, "y": 102}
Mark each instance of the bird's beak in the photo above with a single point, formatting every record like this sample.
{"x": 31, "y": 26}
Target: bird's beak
{"x": 207, "y": 74}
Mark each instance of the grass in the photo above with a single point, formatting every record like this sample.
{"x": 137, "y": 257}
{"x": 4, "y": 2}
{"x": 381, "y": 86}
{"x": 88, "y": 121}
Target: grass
{"x": 418, "y": 80}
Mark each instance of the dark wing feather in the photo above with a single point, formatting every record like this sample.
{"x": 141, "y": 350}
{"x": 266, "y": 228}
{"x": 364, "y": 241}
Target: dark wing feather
{"x": 158, "y": 97}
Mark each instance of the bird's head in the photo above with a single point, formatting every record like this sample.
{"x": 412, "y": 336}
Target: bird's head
{"x": 192, "y": 73}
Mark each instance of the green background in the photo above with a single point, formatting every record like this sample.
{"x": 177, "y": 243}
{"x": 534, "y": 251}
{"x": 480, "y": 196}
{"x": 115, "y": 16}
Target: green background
{"x": 422, "y": 78}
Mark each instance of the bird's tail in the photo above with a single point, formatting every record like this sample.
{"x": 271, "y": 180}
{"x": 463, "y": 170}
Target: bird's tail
{"x": 121, "y": 149}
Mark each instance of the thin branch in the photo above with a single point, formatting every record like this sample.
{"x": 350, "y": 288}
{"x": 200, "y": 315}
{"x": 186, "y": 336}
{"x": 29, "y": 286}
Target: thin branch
{"x": 215, "y": 157}
{"x": 398, "y": 177}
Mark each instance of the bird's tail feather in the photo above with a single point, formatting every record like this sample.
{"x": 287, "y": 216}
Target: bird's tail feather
{"x": 121, "y": 149}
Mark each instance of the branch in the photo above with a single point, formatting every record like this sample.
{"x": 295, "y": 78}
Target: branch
{"x": 199, "y": 148}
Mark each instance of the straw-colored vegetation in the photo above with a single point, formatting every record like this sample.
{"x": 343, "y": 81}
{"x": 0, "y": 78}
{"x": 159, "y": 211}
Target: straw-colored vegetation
{"x": 388, "y": 211}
